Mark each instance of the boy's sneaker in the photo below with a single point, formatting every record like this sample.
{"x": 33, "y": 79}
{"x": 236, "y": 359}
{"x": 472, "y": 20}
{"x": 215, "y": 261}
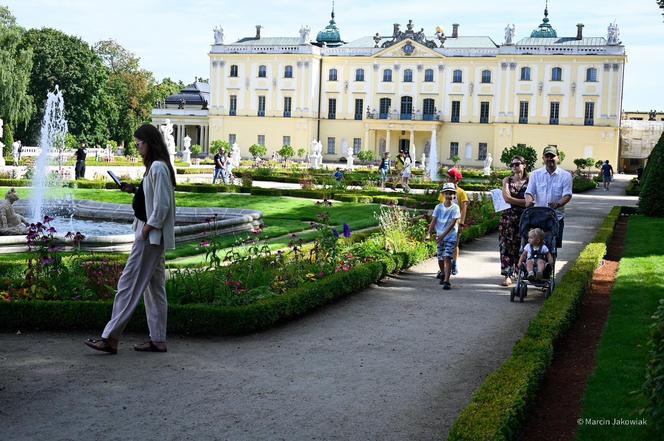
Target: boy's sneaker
{"x": 446, "y": 285}
{"x": 454, "y": 268}
{"x": 440, "y": 282}
{"x": 439, "y": 275}
{"x": 531, "y": 276}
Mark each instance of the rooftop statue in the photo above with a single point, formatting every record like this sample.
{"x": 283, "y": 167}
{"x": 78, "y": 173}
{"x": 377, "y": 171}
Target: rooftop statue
{"x": 218, "y": 35}
{"x": 304, "y": 34}
{"x": 613, "y": 37}
{"x": 11, "y": 223}
{"x": 398, "y": 35}
{"x": 509, "y": 34}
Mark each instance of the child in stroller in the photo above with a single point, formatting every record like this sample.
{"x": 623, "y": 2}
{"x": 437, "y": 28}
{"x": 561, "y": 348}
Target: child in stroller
{"x": 543, "y": 219}
{"x": 535, "y": 255}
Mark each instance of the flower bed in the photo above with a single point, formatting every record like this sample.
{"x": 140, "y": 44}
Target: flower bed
{"x": 499, "y": 406}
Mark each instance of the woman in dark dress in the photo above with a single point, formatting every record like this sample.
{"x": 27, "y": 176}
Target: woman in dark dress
{"x": 514, "y": 190}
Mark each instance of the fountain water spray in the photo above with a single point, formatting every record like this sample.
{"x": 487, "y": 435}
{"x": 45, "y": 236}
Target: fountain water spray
{"x": 53, "y": 132}
{"x": 432, "y": 168}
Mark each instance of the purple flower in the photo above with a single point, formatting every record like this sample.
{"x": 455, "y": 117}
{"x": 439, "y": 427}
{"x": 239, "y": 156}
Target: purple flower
{"x": 46, "y": 261}
{"x": 336, "y": 233}
{"x": 48, "y": 219}
{"x": 204, "y": 244}
{"x": 51, "y": 230}
{"x": 346, "y": 231}
{"x": 69, "y": 235}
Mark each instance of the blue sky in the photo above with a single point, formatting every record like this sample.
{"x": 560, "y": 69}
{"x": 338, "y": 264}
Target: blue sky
{"x": 172, "y": 37}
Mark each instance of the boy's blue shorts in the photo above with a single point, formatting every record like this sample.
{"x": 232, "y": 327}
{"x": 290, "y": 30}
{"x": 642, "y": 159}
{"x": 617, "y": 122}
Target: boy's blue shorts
{"x": 446, "y": 249}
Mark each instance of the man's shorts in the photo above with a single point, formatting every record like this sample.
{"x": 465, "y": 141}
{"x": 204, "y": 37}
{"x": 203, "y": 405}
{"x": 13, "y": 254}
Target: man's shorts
{"x": 383, "y": 174}
{"x": 446, "y": 249}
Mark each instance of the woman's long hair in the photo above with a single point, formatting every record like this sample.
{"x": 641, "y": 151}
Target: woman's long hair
{"x": 157, "y": 150}
{"x": 522, "y": 160}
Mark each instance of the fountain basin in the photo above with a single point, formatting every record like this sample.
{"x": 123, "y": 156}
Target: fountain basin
{"x": 191, "y": 224}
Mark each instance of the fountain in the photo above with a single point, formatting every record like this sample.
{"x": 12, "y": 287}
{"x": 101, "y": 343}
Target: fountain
{"x": 432, "y": 168}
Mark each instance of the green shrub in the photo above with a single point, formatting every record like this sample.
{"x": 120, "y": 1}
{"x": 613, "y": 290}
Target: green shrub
{"x": 527, "y": 152}
{"x": 581, "y": 184}
{"x": 654, "y": 385}
{"x": 386, "y": 200}
{"x": 651, "y": 202}
{"x": 633, "y": 188}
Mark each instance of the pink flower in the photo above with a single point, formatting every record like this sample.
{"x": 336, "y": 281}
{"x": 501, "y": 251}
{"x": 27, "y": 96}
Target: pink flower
{"x": 321, "y": 275}
{"x": 204, "y": 244}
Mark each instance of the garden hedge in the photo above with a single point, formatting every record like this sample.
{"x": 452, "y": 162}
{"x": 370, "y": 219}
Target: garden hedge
{"x": 654, "y": 385}
{"x": 499, "y": 407}
{"x": 217, "y": 320}
{"x": 633, "y": 188}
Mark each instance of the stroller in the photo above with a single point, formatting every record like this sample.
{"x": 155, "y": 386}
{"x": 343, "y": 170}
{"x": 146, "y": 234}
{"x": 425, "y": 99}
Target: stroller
{"x": 544, "y": 218}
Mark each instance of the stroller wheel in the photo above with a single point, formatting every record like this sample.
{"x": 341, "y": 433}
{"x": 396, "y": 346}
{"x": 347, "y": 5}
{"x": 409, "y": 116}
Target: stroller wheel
{"x": 523, "y": 291}
{"x": 512, "y": 293}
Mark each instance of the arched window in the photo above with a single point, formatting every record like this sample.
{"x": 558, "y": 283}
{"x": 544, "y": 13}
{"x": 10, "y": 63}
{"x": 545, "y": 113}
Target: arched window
{"x": 288, "y": 72}
{"x": 332, "y": 75}
{"x": 234, "y": 70}
{"x": 486, "y": 76}
{"x": 428, "y": 109}
{"x": 557, "y": 74}
{"x": 385, "y": 104}
{"x": 407, "y": 76}
{"x": 387, "y": 76}
{"x": 457, "y": 76}
{"x": 262, "y": 71}
{"x": 591, "y": 74}
{"x": 428, "y": 76}
{"x": 406, "y": 107}
{"x": 525, "y": 74}
{"x": 359, "y": 75}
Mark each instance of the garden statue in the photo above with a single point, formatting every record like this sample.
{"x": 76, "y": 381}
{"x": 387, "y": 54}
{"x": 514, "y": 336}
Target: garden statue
{"x": 424, "y": 160}
{"x": 613, "y": 34}
{"x": 316, "y": 157}
{"x": 509, "y": 35}
{"x": 11, "y": 223}
{"x": 487, "y": 164}
{"x": 167, "y": 133}
{"x": 15, "y": 153}
{"x": 235, "y": 155}
{"x": 348, "y": 153}
{"x": 218, "y": 35}
{"x": 186, "y": 153}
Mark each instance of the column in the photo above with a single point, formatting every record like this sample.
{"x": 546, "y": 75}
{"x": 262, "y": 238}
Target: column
{"x": 367, "y": 147}
{"x": 206, "y": 139}
{"x": 387, "y": 141}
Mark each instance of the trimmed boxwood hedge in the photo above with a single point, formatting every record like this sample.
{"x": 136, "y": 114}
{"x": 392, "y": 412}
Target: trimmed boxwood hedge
{"x": 499, "y": 406}
{"x": 218, "y": 320}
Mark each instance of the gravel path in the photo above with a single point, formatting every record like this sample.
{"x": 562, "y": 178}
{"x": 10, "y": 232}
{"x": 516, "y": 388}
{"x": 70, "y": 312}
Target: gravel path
{"x": 397, "y": 361}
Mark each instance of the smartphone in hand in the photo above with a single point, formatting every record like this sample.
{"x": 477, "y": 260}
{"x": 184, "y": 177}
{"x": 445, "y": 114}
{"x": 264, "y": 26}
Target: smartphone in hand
{"x": 116, "y": 179}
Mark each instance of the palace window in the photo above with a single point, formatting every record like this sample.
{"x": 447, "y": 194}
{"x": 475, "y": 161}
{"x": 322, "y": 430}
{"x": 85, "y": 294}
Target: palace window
{"x": 232, "y": 138}
{"x": 357, "y": 145}
{"x": 332, "y": 75}
{"x": 525, "y": 74}
{"x": 481, "y": 153}
{"x": 407, "y": 76}
{"x": 359, "y": 75}
{"x": 262, "y": 71}
{"x": 428, "y": 109}
{"x": 454, "y": 149}
{"x": 385, "y": 104}
{"x": 456, "y": 111}
{"x": 486, "y": 76}
{"x": 232, "y": 109}
{"x": 359, "y": 106}
{"x": 457, "y": 76}
{"x": 589, "y": 116}
{"x": 288, "y": 72}
{"x": 287, "y": 106}
{"x": 428, "y": 76}
{"x": 286, "y": 140}
{"x": 406, "y": 107}
{"x": 234, "y": 70}
{"x": 591, "y": 75}
{"x": 557, "y": 74}
{"x": 261, "y": 106}
{"x": 330, "y": 145}
{"x": 261, "y": 140}
{"x": 523, "y": 112}
{"x": 554, "y": 113}
{"x": 484, "y": 112}
{"x": 332, "y": 108}
{"x": 387, "y": 76}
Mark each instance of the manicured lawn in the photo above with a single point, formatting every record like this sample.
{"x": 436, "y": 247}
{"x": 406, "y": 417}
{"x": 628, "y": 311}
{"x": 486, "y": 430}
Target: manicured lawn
{"x": 613, "y": 389}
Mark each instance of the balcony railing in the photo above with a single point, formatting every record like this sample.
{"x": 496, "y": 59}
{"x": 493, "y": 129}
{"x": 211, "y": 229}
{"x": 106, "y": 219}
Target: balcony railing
{"x": 484, "y": 120}
{"x": 405, "y": 116}
{"x": 523, "y": 120}
{"x": 331, "y": 116}
{"x": 553, "y": 121}
{"x": 261, "y": 113}
{"x": 287, "y": 113}
{"x": 454, "y": 119}
{"x": 383, "y": 116}
{"x": 358, "y": 116}
{"x": 589, "y": 121}
{"x": 428, "y": 116}
{"x": 232, "y": 112}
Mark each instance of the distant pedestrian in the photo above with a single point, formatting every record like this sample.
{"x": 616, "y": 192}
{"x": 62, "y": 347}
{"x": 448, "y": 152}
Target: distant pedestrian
{"x": 406, "y": 173}
{"x": 79, "y": 168}
{"x": 607, "y": 174}
{"x": 444, "y": 223}
{"x": 384, "y": 169}
{"x": 219, "y": 168}
{"x": 338, "y": 175}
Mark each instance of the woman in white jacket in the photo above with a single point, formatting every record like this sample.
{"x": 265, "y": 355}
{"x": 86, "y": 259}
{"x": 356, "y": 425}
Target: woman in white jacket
{"x": 407, "y": 172}
{"x": 144, "y": 274}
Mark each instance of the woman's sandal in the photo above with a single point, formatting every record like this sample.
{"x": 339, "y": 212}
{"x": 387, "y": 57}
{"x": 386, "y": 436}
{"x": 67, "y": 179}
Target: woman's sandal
{"x": 150, "y": 346}
{"x": 109, "y": 345}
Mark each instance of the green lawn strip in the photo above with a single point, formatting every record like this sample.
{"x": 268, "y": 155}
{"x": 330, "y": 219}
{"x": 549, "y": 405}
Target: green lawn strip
{"x": 613, "y": 390}
{"x": 499, "y": 406}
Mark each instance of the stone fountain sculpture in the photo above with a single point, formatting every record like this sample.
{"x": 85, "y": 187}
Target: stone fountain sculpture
{"x": 316, "y": 157}
{"x": 11, "y": 223}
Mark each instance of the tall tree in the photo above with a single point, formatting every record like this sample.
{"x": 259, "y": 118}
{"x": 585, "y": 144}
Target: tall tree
{"x": 16, "y": 104}
{"x": 129, "y": 87}
{"x": 67, "y": 61}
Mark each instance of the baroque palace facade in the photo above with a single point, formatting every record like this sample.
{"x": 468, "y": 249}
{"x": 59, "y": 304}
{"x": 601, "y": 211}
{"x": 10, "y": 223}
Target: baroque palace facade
{"x": 465, "y": 95}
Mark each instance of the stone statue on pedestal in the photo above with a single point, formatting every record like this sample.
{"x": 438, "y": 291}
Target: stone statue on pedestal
{"x": 316, "y": 157}
{"x": 167, "y": 133}
{"x": 613, "y": 34}
{"x": 186, "y": 153}
{"x": 424, "y": 160}
{"x": 304, "y": 34}
{"x": 11, "y": 223}
{"x": 235, "y": 155}
{"x": 487, "y": 164}
{"x": 218, "y": 35}
{"x": 509, "y": 34}
{"x": 348, "y": 154}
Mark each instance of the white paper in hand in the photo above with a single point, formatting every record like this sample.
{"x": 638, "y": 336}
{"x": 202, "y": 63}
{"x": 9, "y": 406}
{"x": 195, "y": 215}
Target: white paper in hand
{"x": 499, "y": 203}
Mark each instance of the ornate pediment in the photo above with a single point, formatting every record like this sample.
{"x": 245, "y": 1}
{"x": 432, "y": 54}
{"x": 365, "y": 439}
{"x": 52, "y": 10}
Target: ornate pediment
{"x": 408, "y": 49}
{"x": 418, "y": 36}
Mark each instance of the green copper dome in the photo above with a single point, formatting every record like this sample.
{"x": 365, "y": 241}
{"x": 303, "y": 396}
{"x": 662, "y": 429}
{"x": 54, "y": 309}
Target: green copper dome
{"x": 330, "y": 35}
{"x": 544, "y": 30}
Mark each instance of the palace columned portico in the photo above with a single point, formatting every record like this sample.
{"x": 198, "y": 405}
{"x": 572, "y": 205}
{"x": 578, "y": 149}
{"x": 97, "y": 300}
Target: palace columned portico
{"x": 393, "y": 136}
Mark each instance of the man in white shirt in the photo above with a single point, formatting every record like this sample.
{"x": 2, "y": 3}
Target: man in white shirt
{"x": 550, "y": 186}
